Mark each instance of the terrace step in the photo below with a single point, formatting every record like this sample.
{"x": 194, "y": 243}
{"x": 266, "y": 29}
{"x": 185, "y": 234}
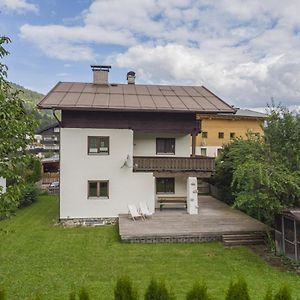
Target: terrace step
{"x": 244, "y": 239}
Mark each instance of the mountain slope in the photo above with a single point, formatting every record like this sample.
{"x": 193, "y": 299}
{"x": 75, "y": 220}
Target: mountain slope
{"x": 31, "y": 99}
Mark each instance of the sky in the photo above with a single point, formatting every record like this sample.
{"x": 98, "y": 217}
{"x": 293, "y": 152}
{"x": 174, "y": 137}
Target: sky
{"x": 245, "y": 51}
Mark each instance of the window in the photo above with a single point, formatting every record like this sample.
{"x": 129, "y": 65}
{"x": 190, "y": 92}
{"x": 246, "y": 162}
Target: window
{"x": 98, "y": 145}
{"x": 165, "y": 185}
{"x": 219, "y": 151}
{"x": 204, "y": 151}
{"x": 221, "y": 135}
{"x": 232, "y": 135}
{"x": 165, "y": 146}
{"x": 98, "y": 189}
{"x": 204, "y": 135}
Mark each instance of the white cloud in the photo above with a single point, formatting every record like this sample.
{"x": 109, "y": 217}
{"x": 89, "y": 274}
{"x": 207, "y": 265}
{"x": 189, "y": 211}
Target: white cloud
{"x": 246, "y": 51}
{"x": 19, "y": 6}
{"x": 246, "y": 84}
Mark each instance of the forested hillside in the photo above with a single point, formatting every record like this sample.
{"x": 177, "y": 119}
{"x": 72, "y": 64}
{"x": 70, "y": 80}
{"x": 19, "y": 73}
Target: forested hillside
{"x": 32, "y": 98}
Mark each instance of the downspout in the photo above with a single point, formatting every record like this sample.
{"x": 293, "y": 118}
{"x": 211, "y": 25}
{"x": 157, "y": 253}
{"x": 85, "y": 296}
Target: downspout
{"x": 60, "y": 125}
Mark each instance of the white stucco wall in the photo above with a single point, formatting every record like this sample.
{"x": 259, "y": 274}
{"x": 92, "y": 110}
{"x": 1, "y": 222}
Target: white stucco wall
{"x": 77, "y": 167}
{"x": 145, "y": 144}
{"x": 3, "y": 184}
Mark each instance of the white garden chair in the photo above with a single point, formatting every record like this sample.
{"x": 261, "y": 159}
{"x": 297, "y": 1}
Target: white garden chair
{"x": 144, "y": 210}
{"x": 134, "y": 212}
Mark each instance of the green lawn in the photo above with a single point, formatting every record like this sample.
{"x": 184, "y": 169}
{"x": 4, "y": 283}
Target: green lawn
{"x": 38, "y": 257}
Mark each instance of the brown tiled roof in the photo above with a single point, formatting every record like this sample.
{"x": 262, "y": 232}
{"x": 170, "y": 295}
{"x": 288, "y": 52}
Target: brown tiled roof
{"x": 88, "y": 96}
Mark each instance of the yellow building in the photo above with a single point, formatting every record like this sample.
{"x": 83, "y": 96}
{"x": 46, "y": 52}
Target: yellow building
{"x": 221, "y": 129}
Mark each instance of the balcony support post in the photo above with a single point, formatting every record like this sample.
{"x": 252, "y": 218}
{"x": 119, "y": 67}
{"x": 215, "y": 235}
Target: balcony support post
{"x": 194, "y": 136}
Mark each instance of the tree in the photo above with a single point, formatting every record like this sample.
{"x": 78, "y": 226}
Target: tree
{"x": 124, "y": 289}
{"x": 17, "y": 128}
{"x": 260, "y": 175}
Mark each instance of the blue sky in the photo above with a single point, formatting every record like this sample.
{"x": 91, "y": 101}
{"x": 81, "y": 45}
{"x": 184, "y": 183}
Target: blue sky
{"x": 244, "y": 51}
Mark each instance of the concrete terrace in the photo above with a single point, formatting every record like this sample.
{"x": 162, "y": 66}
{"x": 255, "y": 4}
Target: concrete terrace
{"x": 215, "y": 219}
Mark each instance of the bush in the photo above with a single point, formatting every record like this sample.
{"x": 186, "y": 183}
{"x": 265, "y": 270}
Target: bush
{"x": 33, "y": 171}
{"x": 2, "y": 294}
{"x": 198, "y": 292}
{"x": 72, "y": 296}
{"x": 84, "y": 294}
{"x": 29, "y": 195}
{"x": 268, "y": 295}
{"x": 283, "y": 294}
{"x": 158, "y": 291}
{"x": 124, "y": 290}
{"x": 238, "y": 291}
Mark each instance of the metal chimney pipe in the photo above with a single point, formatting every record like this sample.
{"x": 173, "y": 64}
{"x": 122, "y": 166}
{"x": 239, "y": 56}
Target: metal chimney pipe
{"x": 131, "y": 77}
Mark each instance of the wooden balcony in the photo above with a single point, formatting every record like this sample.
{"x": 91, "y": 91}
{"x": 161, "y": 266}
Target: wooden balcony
{"x": 199, "y": 166}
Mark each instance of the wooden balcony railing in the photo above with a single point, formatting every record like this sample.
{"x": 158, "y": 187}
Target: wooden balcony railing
{"x": 173, "y": 164}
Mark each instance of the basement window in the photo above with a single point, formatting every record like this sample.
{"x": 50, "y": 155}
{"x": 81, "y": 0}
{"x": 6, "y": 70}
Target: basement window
{"x": 98, "y": 189}
{"x": 165, "y": 185}
{"x": 98, "y": 145}
{"x": 165, "y": 146}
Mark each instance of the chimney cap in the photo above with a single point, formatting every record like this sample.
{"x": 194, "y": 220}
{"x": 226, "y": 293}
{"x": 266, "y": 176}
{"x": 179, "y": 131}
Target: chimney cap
{"x": 130, "y": 73}
{"x": 100, "y": 67}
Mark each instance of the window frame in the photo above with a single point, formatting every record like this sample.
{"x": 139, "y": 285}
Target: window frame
{"x": 221, "y": 135}
{"x": 165, "y": 153}
{"x": 204, "y": 149}
{"x": 164, "y": 192}
{"x": 204, "y": 134}
{"x": 98, "y": 182}
{"x": 98, "y": 145}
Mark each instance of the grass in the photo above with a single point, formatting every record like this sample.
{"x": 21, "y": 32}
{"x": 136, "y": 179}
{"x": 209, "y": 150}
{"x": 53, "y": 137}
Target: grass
{"x": 37, "y": 257}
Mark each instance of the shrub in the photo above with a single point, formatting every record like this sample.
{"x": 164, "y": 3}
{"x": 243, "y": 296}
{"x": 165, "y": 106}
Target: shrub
{"x": 238, "y": 291}
{"x": 283, "y": 294}
{"x": 268, "y": 295}
{"x": 29, "y": 195}
{"x": 158, "y": 291}
{"x": 198, "y": 292}
{"x": 72, "y": 296}
{"x": 124, "y": 290}
{"x": 33, "y": 171}
{"x": 84, "y": 294}
{"x": 2, "y": 294}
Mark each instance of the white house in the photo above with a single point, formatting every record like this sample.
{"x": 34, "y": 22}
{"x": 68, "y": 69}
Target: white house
{"x": 125, "y": 143}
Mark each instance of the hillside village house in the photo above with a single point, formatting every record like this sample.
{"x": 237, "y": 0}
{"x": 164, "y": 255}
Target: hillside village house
{"x": 125, "y": 143}
{"x": 220, "y": 129}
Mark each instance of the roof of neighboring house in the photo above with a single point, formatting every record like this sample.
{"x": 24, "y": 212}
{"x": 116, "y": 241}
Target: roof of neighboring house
{"x": 250, "y": 113}
{"x": 133, "y": 97}
{"x": 292, "y": 212}
{"x": 48, "y": 126}
{"x": 240, "y": 114}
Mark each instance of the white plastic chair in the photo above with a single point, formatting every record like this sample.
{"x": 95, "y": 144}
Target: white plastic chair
{"x": 144, "y": 210}
{"x": 134, "y": 212}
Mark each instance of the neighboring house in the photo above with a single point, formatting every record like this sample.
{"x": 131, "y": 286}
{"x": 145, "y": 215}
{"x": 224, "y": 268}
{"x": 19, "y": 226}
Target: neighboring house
{"x": 3, "y": 184}
{"x": 46, "y": 140}
{"x": 125, "y": 143}
{"x": 50, "y": 170}
{"x": 220, "y": 129}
